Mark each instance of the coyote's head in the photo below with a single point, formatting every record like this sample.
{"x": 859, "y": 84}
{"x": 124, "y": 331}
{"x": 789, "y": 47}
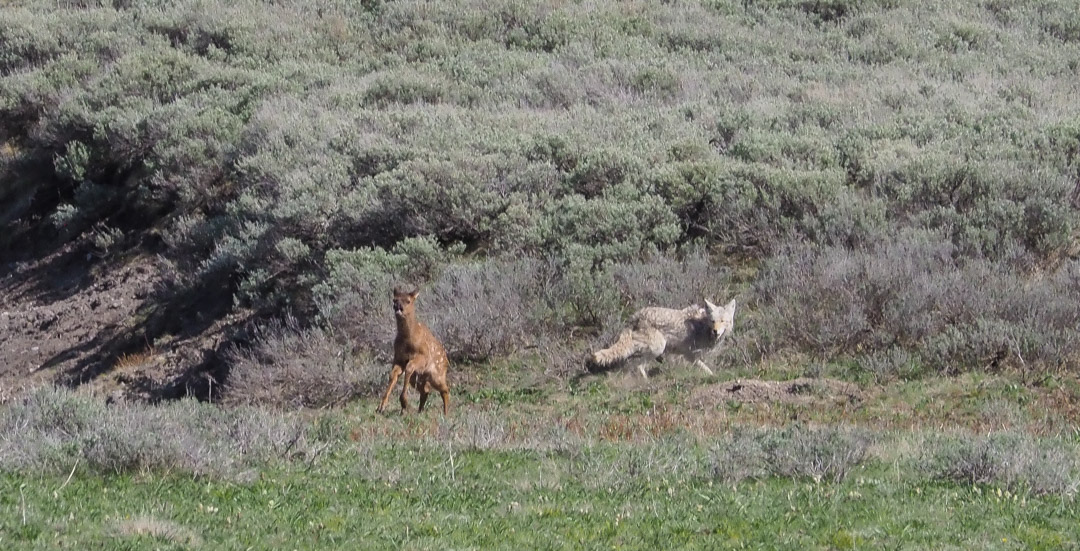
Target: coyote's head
{"x": 720, "y": 318}
{"x": 403, "y": 302}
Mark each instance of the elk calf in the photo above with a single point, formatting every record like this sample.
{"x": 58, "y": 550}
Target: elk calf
{"x": 418, "y": 355}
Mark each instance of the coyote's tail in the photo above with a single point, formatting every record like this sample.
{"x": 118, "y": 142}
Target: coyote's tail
{"x": 623, "y": 348}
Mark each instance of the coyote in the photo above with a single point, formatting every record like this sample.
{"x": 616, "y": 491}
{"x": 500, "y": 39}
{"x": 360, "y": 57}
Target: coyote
{"x": 692, "y": 332}
{"x": 418, "y": 354}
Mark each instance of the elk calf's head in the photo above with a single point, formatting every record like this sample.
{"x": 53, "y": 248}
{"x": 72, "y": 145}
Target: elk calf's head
{"x": 403, "y": 302}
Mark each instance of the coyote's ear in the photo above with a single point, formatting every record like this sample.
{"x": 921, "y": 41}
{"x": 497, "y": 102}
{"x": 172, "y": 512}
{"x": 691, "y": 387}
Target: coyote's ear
{"x": 710, "y": 305}
{"x": 729, "y": 311}
{"x": 415, "y": 294}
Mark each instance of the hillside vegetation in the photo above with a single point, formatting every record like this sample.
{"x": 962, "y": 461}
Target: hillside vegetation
{"x": 888, "y": 187}
{"x": 211, "y": 200}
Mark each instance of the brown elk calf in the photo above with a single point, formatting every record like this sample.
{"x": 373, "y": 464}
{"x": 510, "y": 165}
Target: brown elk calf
{"x": 418, "y": 354}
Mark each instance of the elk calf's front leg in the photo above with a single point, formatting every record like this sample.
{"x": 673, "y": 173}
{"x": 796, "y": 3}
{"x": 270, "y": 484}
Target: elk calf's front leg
{"x": 394, "y": 374}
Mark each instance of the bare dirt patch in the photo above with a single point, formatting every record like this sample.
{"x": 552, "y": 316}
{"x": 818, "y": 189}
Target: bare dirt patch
{"x": 74, "y": 319}
{"x": 802, "y": 391}
{"x": 54, "y": 312}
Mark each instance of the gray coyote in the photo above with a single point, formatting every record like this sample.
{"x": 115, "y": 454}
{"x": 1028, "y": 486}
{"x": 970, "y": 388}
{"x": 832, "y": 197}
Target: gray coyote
{"x": 692, "y": 333}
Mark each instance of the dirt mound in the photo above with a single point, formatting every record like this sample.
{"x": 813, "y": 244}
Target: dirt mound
{"x": 798, "y": 391}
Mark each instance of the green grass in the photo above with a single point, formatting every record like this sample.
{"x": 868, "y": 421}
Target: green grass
{"x": 520, "y": 500}
{"x": 606, "y": 462}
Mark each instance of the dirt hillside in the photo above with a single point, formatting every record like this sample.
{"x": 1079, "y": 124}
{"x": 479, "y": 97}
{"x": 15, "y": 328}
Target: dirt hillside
{"x": 75, "y": 319}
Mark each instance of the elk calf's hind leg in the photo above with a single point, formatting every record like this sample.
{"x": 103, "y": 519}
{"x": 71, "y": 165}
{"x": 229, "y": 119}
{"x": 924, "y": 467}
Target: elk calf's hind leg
{"x": 394, "y": 374}
{"x": 424, "y": 387}
{"x": 411, "y": 377}
{"x": 439, "y": 384}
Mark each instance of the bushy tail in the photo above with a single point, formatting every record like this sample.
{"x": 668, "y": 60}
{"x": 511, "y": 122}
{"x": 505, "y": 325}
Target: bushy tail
{"x": 623, "y": 348}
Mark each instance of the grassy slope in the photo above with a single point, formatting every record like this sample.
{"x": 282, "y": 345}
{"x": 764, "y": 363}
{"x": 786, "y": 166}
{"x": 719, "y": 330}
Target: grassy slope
{"x": 514, "y": 500}
{"x": 602, "y": 462}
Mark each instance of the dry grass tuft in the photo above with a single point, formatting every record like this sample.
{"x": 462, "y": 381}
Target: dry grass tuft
{"x": 134, "y": 360}
{"x": 167, "y": 530}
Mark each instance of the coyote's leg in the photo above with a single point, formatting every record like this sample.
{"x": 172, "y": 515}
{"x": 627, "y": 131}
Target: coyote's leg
{"x": 394, "y": 374}
{"x": 702, "y": 365}
{"x": 641, "y": 367}
{"x": 655, "y": 343}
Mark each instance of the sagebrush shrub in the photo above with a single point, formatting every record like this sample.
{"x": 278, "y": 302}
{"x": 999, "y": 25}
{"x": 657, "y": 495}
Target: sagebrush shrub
{"x": 794, "y": 451}
{"x": 287, "y": 366}
{"x": 51, "y": 430}
{"x": 676, "y": 282}
{"x": 916, "y": 301}
{"x": 288, "y": 154}
{"x": 355, "y": 296}
{"x": 485, "y": 310}
{"x": 1017, "y": 462}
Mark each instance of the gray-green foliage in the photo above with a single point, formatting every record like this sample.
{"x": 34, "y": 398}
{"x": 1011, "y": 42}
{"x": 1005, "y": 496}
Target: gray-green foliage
{"x": 357, "y": 288}
{"x": 915, "y": 300}
{"x": 797, "y": 452}
{"x": 1019, "y": 462}
{"x": 288, "y": 367}
{"x": 500, "y": 305}
{"x": 299, "y": 155}
{"x": 54, "y": 430}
